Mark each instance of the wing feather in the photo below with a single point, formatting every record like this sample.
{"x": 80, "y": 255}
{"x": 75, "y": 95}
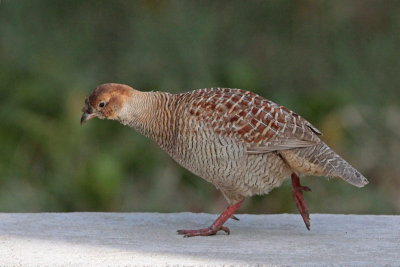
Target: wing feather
{"x": 262, "y": 125}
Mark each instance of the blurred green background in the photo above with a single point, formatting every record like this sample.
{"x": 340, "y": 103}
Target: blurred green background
{"x": 337, "y": 63}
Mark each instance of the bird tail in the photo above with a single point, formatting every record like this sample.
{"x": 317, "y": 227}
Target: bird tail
{"x": 322, "y": 160}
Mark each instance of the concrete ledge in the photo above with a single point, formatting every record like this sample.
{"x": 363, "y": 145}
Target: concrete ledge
{"x": 126, "y": 239}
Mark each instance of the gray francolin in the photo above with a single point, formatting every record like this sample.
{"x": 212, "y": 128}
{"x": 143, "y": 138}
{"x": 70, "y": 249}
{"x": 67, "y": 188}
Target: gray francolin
{"x": 237, "y": 140}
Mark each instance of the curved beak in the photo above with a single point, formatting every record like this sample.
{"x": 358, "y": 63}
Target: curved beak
{"x": 86, "y": 116}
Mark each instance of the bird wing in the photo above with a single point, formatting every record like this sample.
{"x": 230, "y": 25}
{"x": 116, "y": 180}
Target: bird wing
{"x": 262, "y": 125}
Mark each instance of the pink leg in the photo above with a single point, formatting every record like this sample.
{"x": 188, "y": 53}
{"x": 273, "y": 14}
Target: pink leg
{"x": 216, "y": 226}
{"x": 297, "y": 193}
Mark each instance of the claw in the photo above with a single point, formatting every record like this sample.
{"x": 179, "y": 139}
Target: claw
{"x": 305, "y": 188}
{"x": 234, "y": 218}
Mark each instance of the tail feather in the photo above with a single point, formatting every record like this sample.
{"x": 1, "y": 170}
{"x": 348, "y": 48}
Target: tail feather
{"x": 353, "y": 177}
{"x": 322, "y": 160}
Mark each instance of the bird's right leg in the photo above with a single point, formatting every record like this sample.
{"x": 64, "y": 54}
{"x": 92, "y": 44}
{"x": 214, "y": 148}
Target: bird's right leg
{"x": 297, "y": 193}
{"x": 216, "y": 226}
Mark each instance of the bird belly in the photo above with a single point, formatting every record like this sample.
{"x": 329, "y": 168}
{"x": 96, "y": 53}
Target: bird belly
{"x": 217, "y": 161}
{"x": 264, "y": 173}
{"x": 226, "y": 165}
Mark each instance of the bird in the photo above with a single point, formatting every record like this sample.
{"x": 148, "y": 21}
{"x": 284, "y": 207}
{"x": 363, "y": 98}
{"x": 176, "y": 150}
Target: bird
{"x": 237, "y": 140}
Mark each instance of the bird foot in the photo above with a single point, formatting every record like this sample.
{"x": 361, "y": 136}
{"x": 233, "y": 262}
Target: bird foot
{"x": 297, "y": 193}
{"x": 203, "y": 232}
{"x": 216, "y": 226}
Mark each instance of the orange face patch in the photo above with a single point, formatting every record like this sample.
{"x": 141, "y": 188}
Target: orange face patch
{"x": 114, "y": 95}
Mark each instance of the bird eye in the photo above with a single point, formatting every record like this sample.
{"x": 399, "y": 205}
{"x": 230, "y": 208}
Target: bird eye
{"x": 101, "y": 104}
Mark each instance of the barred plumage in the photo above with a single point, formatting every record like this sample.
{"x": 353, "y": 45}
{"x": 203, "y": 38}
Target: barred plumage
{"x": 241, "y": 142}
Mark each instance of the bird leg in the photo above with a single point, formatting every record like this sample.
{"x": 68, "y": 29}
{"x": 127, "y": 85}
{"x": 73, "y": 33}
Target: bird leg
{"x": 297, "y": 193}
{"x": 217, "y": 224}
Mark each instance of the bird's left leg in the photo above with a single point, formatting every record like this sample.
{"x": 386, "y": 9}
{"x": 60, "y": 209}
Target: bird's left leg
{"x": 297, "y": 193}
{"x": 216, "y": 226}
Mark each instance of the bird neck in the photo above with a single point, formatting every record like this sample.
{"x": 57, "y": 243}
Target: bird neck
{"x": 150, "y": 114}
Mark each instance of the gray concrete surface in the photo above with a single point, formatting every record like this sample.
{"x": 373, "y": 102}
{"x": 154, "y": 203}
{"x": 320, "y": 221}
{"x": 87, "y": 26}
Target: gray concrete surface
{"x": 127, "y": 239}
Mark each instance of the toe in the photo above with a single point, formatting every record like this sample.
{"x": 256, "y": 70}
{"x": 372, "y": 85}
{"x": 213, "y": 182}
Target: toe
{"x": 305, "y": 188}
{"x": 181, "y": 232}
{"x": 225, "y": 229}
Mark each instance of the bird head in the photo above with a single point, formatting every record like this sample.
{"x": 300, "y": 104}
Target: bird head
{"x": 106, "y": 101}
